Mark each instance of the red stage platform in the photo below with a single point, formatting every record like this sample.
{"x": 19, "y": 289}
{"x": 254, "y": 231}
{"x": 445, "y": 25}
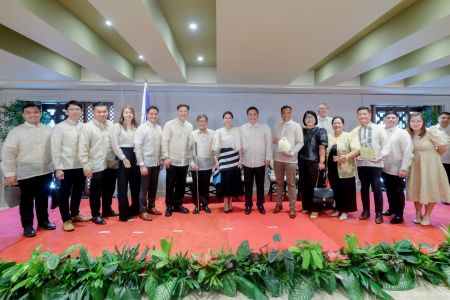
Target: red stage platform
{"x": 199, "y": 233}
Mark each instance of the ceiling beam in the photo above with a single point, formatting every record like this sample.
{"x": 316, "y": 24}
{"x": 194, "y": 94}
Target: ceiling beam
{"x": 420, "y": 24}
{"x": 422, "y": 60}
{"x": 429, "y": 77}
{"x": 14, "y": 43}
{"x": 144, "y": 22}
{"x": 53, "y": 26}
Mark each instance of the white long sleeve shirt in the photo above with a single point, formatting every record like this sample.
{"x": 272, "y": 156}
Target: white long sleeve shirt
{"x": 293, "y": 132}
{"x": 121, "y": 138}
{"x": 65, "y": 142}
{"x": 401, "y": 154}
{"x": 325, "y": 123}
{"x": 175, "y": 142}
{"x": 147, "y": 144}
{"x": 445, "y": 158}
{"x": 377, "y": 138}
{"x": 256, "y": 141}
{"x": 202, "y": 149}
{"x": 26, "y": 151}
{"x": 95, "y": 146}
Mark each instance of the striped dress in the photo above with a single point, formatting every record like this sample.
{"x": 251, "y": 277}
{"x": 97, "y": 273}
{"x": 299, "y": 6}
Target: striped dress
{"x": 227, "y": 143}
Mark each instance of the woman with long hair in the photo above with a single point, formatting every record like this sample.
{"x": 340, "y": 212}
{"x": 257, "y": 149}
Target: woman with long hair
{"x": 122, "y": 143}
{"x": 228, "y": 156}
{"x": 428, "y": 181}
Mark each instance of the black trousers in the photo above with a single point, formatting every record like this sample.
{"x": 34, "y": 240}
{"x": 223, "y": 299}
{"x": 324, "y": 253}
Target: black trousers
{"x": 72, "y": 187}
{"x": 370, "y": 177}
{"x": 447, "y": 170}
{"x": 308, "y": 172}
{"x": 257, "y": 175}
{"x": 149, "y": 187}
{"x": 395, "y": 191}
{"x": 204, "y": 179}
{"x": 38, "y": 189}
{"x": 103, "y": 184}
{"x": 175, "y": 185}
{"x": 128, "y": 176}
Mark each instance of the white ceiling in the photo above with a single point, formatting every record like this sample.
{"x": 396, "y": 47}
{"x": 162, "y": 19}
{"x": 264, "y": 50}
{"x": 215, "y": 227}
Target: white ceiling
{"x": 355, "y": 46}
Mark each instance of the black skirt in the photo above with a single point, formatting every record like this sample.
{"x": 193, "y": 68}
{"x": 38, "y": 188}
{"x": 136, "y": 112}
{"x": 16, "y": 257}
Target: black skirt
{"x": 231, "y": 183}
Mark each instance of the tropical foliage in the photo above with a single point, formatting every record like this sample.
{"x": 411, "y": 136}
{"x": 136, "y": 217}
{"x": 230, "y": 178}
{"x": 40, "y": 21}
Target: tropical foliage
{"x": 299, "y": 271}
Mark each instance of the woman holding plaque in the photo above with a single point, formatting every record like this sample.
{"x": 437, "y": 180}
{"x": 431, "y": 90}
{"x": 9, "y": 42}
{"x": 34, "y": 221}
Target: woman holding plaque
{"x": 311, "y": 161}
{"x": 428, "y": 181}
{"x": 228, "y": 156}
{"x": 341, "y": 152}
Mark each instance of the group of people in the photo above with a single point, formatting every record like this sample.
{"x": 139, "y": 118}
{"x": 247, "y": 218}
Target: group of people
{"x": 132, "y": 155}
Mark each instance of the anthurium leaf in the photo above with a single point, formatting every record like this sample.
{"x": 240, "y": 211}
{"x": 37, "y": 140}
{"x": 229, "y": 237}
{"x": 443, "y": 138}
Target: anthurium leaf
{"x": 164, "y": 291}
{"x": 229, "y": 285}
{"x": 249, "y": 289}
{"x": 150, "y": 286}
{"x": 303, "y": 288}
{"x": 243, "y": 251}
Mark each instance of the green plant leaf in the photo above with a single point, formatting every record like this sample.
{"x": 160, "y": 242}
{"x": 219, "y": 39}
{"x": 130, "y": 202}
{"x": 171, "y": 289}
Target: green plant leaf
{"x": 380, "y": 266}
{"x": 273, "y": 254}
{"x": 276, "y": 237}
{"x": 317, "y": 260}
{"x": 123, "y": 293}
{"x": 405, "y": 282}
{"x": 446, "y": 270}
{"x": 249, "y": 289}
{"x": 150, "y": 286}
{"x": 304, "y": 288}
{"x": 243, "y": 251}
{"x": 352, "y": 242}
{"x": 272, "y": 283}
{"x": 52, "y": 262}
{"x": 351, "y": 285}
{"x": 327, "y": 281}
{"x": 166, "y": 247}
{"x": 306, "y": 258}
{"x": 84, "y": 257}
{"x": 228, "y": 285}
{"x": 164, "y": 291}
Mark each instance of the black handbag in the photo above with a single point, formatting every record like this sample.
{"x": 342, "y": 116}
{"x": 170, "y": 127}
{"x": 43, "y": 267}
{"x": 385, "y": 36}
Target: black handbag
{"x": 55, "y": 193}
{"x": 323, "y": 196}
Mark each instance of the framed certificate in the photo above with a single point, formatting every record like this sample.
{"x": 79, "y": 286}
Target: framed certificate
{"x": 367, "y": 151}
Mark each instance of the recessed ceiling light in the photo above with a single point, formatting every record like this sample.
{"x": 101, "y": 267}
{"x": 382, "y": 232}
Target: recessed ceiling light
{"x": 200, "y": 58}
{"x": 193, "y": 26}
{"x": 108, "y": 23}
{"x": 141, "y": 57}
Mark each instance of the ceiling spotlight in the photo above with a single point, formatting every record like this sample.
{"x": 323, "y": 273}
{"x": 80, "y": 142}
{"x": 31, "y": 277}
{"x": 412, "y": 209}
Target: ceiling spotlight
{"x": 108, "y": 23}
{"x": 200, "y": 58}
{"x": 141, "y": 57}
{"x": 193, "y": 26}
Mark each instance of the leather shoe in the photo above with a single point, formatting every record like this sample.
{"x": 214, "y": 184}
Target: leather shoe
{"x": 387, "y": 213}
{"x": 181, "y": 209}
{"x": 364, "y": 215}
{"x": 168, "y": 212}
{"x": 154, "y": 211}
{"x": 248, "y": 210}
{"x": 379, "y": 218}
{"x": 47, "y": 226}
{"x": 206, "y": 209}
{"x": 277, "y": 208}
{"x": 292, "y": 213}
{"x": 195, "y": 211}
{"x": 262, "y": 210}
{"x": 144, "y": 216}
{"x": 29, "y": 232}
{"x": 126, "y": 219}
{"x": 397, "y": 220}
{"x": 112, "y": 213}
{"x": 98, "y": 220}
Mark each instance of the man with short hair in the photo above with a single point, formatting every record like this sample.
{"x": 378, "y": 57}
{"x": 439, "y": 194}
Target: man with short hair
{"x": 323, "y": 120}
{"x": 147, "y": 145}
{"x": 177, "y": 155}
{"x": 97, "y": 159}
{"x": 396, "y": 166}
{"x": 26, "y": 160}
{"x": 68, "y": 170}
{"x": 256, "y": 141}
{"x": 443, "y": 122}
{"x": 374, "y": 147}
{"x": 201, "y": 141}
{"x": 290, "y": 135}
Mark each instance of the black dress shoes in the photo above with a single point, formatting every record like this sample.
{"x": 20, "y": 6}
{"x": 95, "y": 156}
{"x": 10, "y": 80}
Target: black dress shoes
{"x": 379, "y": 218}
{"x": 168, "y": 212}
{"x": 98, "y": 220}
{"x": 387, "y": 213}
{"x": 181, "y": 209}
{"x": 29, "y": 232}
{"x": 261, "y": 209}
{"x": 196, "y": 210}
{"x": 248, "y": 210}
{"x": 397, "y": 220}
{"x": 206, "y": 209}
{"x": 364, "y": 215}
{"x": 47, "y": 226}
{"x": 112, "y": 213}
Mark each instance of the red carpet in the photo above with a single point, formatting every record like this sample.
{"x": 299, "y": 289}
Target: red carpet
{"x": 199, "y": 233}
